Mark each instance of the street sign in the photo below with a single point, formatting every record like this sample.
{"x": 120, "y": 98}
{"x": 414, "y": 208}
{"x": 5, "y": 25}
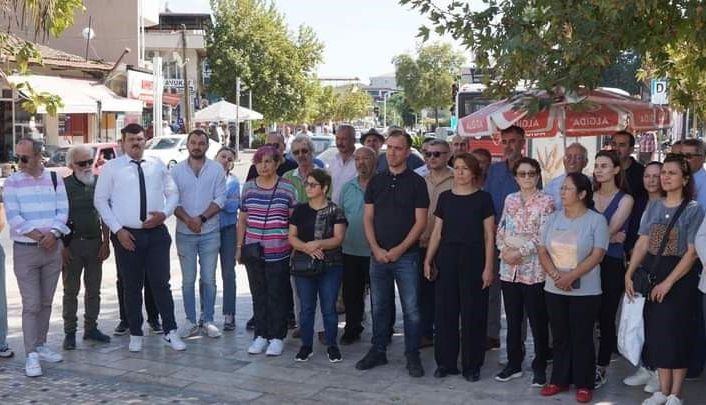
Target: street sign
{"x": 658, "y": 92}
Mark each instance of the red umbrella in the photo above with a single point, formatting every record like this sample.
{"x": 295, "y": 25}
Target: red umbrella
{"x": 595, "y": 112}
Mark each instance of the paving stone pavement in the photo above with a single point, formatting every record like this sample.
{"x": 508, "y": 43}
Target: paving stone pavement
{"x": 220, "y": 371}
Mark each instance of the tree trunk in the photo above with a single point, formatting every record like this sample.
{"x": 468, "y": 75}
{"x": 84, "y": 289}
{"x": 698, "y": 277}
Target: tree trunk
{"x": 436, "y": 116}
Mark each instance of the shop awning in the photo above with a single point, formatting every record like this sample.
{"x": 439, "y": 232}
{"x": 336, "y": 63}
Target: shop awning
{"x": 78, "y": 96}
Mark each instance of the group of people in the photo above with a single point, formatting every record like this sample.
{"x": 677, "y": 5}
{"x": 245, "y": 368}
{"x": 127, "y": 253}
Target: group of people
{"x": 455, "y": 233}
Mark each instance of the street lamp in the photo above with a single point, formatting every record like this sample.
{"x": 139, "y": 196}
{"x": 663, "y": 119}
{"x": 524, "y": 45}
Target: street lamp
{"x": 384, "y": 109}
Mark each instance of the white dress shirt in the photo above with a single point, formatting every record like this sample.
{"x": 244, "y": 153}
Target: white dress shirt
{"x": 196, "y": 193}
{"x": 117, "y": 196}
{"x": 341, "y": 173}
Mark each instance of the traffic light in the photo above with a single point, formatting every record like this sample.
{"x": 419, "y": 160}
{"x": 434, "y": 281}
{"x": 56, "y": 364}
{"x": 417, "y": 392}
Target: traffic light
{"x": 376, "y": 110}
{"x": 454, "y": 92}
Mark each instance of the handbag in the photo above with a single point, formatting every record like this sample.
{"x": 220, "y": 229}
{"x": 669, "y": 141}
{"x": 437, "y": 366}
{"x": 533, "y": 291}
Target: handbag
{"x": 644, "y": 278}
{"x": 254, "y": 252}
{"x": 631, "y": 332}
{"x": 303, "y": 265}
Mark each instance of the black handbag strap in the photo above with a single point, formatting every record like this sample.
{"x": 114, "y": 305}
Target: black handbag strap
{"x": 665, "y": 238}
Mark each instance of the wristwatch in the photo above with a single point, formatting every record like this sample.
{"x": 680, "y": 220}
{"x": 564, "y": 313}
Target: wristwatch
{"x": 203, "y": 218}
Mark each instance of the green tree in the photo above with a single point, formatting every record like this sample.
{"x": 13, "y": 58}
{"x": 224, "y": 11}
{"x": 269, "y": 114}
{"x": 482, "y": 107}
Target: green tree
{"x": 427, "y": 79}
{"x": 622, "y": 73}
{"x": 325, "y": 105}
{"x": 563, "y": 45}
{"x": 45, "y": 18}
{"x": 250, "y": 40}
{"x": 397, "y": 103}
{"x": 352, "y": 104}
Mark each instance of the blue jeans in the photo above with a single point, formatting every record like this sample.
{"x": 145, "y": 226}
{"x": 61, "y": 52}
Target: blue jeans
{"x": 383, "y": 276}
{"x": 3, "y": 302}
{"x": 206, "y": 248}
{"x": 326, "y": 285}
{"x": 227, "y": 253}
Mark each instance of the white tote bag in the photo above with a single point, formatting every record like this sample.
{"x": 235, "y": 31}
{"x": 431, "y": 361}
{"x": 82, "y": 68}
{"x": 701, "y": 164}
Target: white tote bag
{"x": 631, "y": 332}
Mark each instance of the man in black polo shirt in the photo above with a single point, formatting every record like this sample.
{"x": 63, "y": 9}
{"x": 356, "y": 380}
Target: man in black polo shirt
{"x": 396, "y": 203}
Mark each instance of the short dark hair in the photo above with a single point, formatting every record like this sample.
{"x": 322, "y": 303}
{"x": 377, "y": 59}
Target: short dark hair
{"x": 513, "y": 128}
{"x": 471, "y": 162}
{"x": 483, "y": 152}
{"x": 132, "y": 129}
{"x": 582, "y": 183}
{"x": 697, "y": 143}
{"x": 402, "y": 133}
{"x": 631, "y": 137}
{"x": 197, "y": 132}
{"x": 528, "y": 161}
{"x": 321, "y": 177}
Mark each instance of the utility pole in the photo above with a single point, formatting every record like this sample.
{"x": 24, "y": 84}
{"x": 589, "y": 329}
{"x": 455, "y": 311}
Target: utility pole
{"x": 187, "y": 91}
{"x": 237, "y": 117}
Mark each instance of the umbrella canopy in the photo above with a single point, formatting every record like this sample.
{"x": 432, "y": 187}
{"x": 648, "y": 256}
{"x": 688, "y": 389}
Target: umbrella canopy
{"x": 595, "y": 112}
{"x": 225, "y": 111}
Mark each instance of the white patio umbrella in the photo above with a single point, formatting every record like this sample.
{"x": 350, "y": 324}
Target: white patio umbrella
{"x": 225, "y": 111}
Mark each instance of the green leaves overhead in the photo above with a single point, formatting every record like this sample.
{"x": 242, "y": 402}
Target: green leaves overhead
{"x": 555, "y": 44}
{"x": 250, "y": 39}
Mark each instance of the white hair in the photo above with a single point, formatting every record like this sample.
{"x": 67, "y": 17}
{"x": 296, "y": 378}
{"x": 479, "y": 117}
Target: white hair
{"x": 71, "y": 154}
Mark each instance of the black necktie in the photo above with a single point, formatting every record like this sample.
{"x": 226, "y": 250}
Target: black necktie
{"x": 143, "y": 190}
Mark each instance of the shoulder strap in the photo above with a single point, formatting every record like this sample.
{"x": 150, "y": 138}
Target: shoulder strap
{"x": 613, "y": 206}
{"x": 269, "y": 204}
{"x": 54, "y": 180}
{"x": 665, "y": 238}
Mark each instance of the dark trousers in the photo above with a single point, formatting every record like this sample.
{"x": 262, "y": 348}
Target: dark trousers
{"x": 149, "y": 260}
{"x": 84, "y": 260}
{"x": 572, "y": 320}
{"x": 613, "y": 286}
{"x": 521, "y": 299}
{"x": 269, "y": 282}
{"x": 355, "y": 277}
{"x": 696, "y": 366}
{"x": 150, "y": 306}
{"x": 459, "y": 291}
{"x": 426, "y": 300}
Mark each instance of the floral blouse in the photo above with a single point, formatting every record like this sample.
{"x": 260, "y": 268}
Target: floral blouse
{"x": 519, "y": 227}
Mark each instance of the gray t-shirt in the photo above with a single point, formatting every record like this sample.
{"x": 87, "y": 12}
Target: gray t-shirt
{"x": 657, "y": 217}
{"x": 569, "y": 242}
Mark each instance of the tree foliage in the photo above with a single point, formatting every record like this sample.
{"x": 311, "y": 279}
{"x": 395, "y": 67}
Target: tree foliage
{"x": 427, "y": 78}
{"x": 562, "y": 45}
{"x": 352, "y": 104}
{"x": 402, "y": 113}
{"x": 46, "y": 17}
{"x": 250, "y": 40}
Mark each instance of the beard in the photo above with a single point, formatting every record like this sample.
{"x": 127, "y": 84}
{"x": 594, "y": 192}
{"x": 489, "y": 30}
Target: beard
{"x": 86, "y": 178}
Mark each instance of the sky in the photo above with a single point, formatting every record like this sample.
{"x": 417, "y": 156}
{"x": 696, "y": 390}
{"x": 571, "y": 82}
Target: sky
{"x": 360, "y": 36}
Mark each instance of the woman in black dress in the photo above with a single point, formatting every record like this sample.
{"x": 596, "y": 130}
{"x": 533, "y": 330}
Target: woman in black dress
{"x": 669, "y": 310}
{"x": 463, "y": 237}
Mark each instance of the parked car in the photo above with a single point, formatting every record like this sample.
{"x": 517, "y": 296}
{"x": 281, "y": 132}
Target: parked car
{"x": 102, "y": 152}
{"x": 171, "y": 149}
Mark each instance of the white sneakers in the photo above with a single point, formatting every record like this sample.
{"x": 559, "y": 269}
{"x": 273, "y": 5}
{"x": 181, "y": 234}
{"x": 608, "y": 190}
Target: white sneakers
{"x": 188, "y": 329}
{"x": 673, "y": 400}
{"x": 172, "y": 339}
{"x": 135, "y": 344}
{"x": 641, "y": 377}
{"x": 653, "y": 383}
{"x": 48, "y": 355}
{"x": 211, "y": 330}
{"x": 275, "y": 348}
{"x": 258, "y": 345}
{"x": 32, "y": 366}
{"x": 656, "y": 399}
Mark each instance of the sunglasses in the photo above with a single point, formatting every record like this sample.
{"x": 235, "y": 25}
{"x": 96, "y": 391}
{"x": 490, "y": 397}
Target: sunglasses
{"x": 300, "y": 152}
{"x": 84, "y": 163}
{"x": 530, "y": 174}
{"x": 22, "y": 158}
{"x": 435, "y": 154}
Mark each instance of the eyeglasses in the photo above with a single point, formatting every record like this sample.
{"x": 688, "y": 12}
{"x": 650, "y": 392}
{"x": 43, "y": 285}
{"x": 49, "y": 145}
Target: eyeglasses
{"x": 84, "y": 163}
{"x": 566, "y": 188}
{"x": 435, "y": 154}
{"x": 574, "y": 157}
{"x": 22, "y": 158}
{"x": 311, "y": 184}
{"x": 300, "y": 152}
{"x": 273, "y": 145}
{"x": 531, "y": 174}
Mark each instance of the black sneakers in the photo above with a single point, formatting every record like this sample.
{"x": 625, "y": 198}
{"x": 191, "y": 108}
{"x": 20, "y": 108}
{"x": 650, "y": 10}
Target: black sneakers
{"x": 69, "y": 341}
{"x": 334, "y": 354}
{"x": 304, "y": 354}
{"x": 96, "y": 335}
{"x": 414, "y": 365}
{"x": 508, "y": 373}
{"x": 156, "y": 327}
{"x": 122, "y": 329}
{"x": 349, "y": 338}
{"x": 371, "y": 359}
